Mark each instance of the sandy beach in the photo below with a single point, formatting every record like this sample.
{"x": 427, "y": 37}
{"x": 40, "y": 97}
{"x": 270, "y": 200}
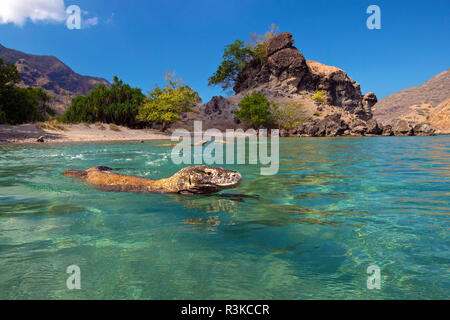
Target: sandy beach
{"x": 29, "y": 133}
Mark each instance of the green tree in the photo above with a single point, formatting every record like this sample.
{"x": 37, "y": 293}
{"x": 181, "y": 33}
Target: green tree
{"x": 117, "y": 104}
{"x": 235, "y": 58}
{"x": 20, "y": 105}
{"x": 255, "y": 110}
{"x": 164, "y": 106}
{"x": 238, "y": 54}
{"x": 9, "y": 75}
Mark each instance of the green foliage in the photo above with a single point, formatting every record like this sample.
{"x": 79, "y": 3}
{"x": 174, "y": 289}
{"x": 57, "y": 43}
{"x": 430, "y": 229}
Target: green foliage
{"x": 317, "y": 113}
{"x": 260, "y": 52}
{"x": 9, "y": 76}
{"x": 288, "y": 115}
{"x": 255, "y": 110}
{"x": 258, "y": 43}
{"x": 238, "y": 54}
{"x": 320, "y": 96}
{"x": 118, "y": 104}
{"x": 165, "y": 105}
{"x": 20, "y": 105}
{"x": 235, "y": 58}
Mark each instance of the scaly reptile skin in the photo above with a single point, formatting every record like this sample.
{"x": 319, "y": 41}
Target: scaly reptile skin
{"x": 189, "y": 180}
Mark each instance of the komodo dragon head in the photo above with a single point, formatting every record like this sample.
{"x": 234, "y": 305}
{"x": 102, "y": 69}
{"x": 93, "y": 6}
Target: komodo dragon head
{"x": 205, "y": 179}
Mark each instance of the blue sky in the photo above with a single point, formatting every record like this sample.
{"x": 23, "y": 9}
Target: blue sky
{"x": 139, "y": 40}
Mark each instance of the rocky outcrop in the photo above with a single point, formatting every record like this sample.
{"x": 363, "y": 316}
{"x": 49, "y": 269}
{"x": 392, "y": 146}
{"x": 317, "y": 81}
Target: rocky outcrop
{"x": 402, "y": 128}
{"x": 218, "y": 107}
{"x": 287, "y": 77}
{"x": 49, "y": 73}
{"x": 287, "y": 72}
{"x": 217, "y": 113}
{"x": 424, "y": 129}
{"x": 387, "y": 131}
{"x": 368, "y": 101}
{"x": 330, "y": 126}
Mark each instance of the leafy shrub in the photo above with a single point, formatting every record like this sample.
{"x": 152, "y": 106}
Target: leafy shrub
{"x": 320, "y": 96}
{"x": 20, "y": 105}
{"x": 164, "y": 106}
{"x": 118, "y": 104}
{"x": 255, "y": 110}
{"x": 288, "y": 115}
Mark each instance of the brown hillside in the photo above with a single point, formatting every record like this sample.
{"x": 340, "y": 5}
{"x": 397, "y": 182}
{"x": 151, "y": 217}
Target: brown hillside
{"x": 52, "y": 75}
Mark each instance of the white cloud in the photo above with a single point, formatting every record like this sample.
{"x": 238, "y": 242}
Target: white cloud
{"x": 18, "y": 11}
{"x": 90, "y": 22}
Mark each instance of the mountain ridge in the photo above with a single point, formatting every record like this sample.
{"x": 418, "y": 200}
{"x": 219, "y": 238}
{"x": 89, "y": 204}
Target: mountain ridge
{"x": 414, "y": 104}
{"x": 51, "y": 74}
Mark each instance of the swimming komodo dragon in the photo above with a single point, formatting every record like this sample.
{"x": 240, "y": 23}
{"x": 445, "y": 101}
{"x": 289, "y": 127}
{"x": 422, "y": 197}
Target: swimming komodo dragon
{"x": 189, "y": 180}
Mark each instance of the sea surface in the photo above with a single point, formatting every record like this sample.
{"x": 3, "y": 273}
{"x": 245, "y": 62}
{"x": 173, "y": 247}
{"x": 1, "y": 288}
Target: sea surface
{"x": 336, "y": 207}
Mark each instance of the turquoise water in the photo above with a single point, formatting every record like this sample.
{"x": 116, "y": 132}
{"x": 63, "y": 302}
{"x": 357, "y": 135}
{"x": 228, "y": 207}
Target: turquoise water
{"x": 337, "y": 206}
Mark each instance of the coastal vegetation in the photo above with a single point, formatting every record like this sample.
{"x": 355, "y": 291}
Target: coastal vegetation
{"x": 123, "y": 105}
{"x": 238, "y": 54}
{"x": 320, "y": 96}
{"x": 117, "y": 104}
{"x": 254, "y": 110}
{"x": 164, "y": 106}
{"x": 288, "y": 115}
{"x": 20, "y": 105}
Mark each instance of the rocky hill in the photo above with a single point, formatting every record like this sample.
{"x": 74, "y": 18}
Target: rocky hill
{"x": 440, "y": 117}
{"x": 52, "y": 75}
{"x": 287, "y": 73}
{"x": 286, "y": 76}
{"x": 417, "y": 104}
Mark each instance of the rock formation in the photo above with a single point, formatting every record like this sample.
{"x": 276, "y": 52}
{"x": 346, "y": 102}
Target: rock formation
{"x": 217, "y": 113}
{"x": 286, "y": 76}
{"x": 286, "y": 72}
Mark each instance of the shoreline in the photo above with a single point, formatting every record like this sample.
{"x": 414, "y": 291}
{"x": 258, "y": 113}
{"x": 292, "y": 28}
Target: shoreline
{"x": 99, "y": 132}
{"x": 29, "y": 134}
